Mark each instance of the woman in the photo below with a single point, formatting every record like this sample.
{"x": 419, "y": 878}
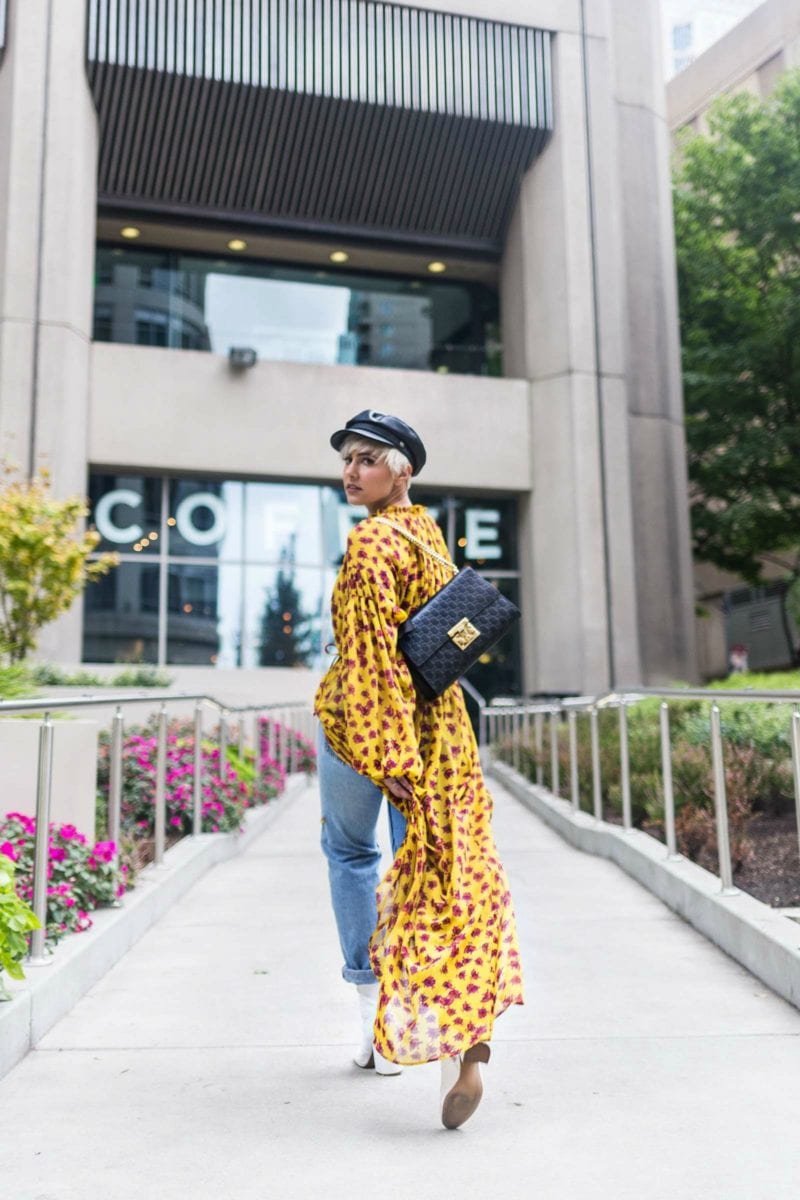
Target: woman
{"x": 439, "y": 937}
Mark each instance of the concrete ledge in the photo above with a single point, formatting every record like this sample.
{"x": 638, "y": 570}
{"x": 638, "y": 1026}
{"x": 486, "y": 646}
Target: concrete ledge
{"x": 763, "y": 940}
{"x": 50, "y": 991}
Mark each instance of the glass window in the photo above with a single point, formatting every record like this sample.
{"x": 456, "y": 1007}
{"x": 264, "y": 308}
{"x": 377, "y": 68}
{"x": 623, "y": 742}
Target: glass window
{"x": 205, "y": 518}
{"x": 126, "y": 512}
{"x": 682, "y": 36}
{"x": 121, "y": 615}
{"x": 284, "y": 616}
{"x": 204, "y": 625}
{"x": 283, "y": 523}
{"x": 486, "y": 534}
{"x": 295, "y": 313}
{"x": 249, "y": 568}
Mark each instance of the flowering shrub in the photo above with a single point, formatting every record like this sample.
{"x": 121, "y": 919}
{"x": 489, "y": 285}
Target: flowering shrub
{"x": 228, "y": 788}
{"x": 80, "y": 877}
{"x": 304, "y": 752}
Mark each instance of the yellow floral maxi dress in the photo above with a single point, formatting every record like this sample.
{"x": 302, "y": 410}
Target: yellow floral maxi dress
{"x": 445, "y": 947}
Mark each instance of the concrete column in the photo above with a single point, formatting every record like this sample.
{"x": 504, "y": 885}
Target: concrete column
{"x": 665, "y": 594}
{"x": 48, "y": 169}
{"x": 563, "y": 330}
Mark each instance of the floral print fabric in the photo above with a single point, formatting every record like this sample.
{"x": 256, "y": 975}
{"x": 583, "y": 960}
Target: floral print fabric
{"x": 445, "y": 948}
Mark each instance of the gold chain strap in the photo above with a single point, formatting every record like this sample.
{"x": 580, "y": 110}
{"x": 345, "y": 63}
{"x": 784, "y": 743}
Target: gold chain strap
{"x": 399, "y": 528}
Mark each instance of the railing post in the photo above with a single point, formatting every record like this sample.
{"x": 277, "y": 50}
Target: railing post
{"x": 294, "y": 749}
{"x": 284, "y": 743}
{"x": 538, "y": 721}
{"x": 44, "y": 779}
{"x": 272, "y": 735}
{"x": 666, "y": 776}
{"x": 554, "y": 751}
{"x": 223, "y": 742}
{"x": 796, "y": 765}
{"x": 572, "y": 721}
{"x": 597, "y": 788}
{"x": 115, "y": 778}
{"x": 257, "y": 750}
{"x": 625, "y": 766}
{"x": 197, "y": 771}
{"x": 721, "y": 803}
{"x": 161, "y": 789}
{"x": 517, "y": 719}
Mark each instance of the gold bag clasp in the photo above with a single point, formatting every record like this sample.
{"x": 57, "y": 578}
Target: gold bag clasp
{"x": 463, "y": 633}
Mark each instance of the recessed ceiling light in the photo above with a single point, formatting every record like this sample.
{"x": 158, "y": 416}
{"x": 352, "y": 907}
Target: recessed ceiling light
{"x": 339, "y": 256}
{"x": 130, "y": 232}
{"x": 237, "y": 244}
{"x": 436, "y": 268}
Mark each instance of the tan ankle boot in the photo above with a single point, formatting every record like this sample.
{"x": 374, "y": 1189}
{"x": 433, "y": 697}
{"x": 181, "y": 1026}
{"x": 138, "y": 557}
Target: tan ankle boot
{"x": 464, "y": 1094}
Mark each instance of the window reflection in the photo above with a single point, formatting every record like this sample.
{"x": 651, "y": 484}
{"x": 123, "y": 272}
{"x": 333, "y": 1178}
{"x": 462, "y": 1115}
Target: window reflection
{"x": 283, "y": 523}
{"x": 205, "y": 518}
{"x": 283, "y": 615}
{"x": 126, "y": 511}
{"x": 121, "y": 615}
{"x": 204, "y": 615}
{"x": 249, "y": 569}
{"x": 295, "y": 313}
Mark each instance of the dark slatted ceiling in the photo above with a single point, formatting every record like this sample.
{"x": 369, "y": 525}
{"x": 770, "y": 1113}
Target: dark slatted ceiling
{"x": 321, "y": 116}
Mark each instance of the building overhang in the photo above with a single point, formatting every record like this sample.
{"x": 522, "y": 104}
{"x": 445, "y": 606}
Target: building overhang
{"x": 346, "y": 118}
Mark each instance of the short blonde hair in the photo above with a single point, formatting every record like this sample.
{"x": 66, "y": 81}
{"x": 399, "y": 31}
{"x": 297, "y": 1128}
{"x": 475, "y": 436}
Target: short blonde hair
{"x": 395, "y": 460}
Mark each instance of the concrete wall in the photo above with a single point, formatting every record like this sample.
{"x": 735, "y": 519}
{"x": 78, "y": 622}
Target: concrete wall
{"x": 652, "y": 368}
{"x": 615, "y": 360}
{"x": 186, "y": 410}
{"x": 74, "y": 786}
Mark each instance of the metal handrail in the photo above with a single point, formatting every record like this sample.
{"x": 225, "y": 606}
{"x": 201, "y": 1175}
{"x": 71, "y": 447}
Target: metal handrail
{"x": 280, "y": 750}
{"x": 511, "y": 723}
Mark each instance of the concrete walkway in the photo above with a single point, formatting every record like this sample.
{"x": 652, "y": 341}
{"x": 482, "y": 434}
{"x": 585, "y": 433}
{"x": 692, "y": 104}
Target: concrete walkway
{"x": 213, "y": 1062}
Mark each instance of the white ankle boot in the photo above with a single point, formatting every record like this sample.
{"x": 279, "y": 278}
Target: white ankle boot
{"x": 367, "y": 1056}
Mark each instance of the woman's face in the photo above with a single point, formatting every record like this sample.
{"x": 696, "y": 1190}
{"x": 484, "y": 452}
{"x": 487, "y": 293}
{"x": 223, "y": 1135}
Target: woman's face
{"x": 367, "y": 480}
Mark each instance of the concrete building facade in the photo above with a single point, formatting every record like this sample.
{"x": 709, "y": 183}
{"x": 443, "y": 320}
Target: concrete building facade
{"x": 464, "y": 219}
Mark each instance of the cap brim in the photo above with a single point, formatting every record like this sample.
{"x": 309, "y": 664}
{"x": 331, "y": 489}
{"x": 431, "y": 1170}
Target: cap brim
{"x": 338, "y": 438}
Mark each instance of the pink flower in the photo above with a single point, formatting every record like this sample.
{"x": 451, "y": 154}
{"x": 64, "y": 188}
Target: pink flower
{"x": 57, "y": 853}
{"x": 7, "y": 849}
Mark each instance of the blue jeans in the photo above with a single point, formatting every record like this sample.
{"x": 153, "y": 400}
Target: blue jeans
{"x": 351, "y": 804}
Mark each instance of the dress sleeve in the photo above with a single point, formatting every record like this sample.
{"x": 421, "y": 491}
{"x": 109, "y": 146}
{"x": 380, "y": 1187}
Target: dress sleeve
{"x": 378, "y": 691}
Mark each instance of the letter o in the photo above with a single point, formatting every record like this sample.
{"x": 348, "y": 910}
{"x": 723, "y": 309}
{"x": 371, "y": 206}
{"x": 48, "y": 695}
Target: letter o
{"x": 186, "y": 526}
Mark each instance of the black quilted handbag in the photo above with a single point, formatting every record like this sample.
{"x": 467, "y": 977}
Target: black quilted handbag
{"x": 449, "y": 632}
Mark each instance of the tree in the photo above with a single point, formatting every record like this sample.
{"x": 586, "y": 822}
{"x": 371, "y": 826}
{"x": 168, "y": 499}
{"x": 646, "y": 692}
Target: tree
{"x": 285, "y": 629}
{"x": 44, "y": 560}
{"x": 737, "y": 220}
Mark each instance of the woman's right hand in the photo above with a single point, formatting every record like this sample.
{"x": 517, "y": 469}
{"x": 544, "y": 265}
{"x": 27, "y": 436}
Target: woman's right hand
{"x": 400, "y": 788}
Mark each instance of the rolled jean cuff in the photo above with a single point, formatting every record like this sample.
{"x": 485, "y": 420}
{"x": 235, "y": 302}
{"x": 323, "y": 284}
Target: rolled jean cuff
{"x": 351, "y": 975}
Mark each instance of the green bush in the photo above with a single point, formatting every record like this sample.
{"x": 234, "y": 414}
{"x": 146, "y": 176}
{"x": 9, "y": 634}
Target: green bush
{"x": 15, "y": 681}
{"x": 757, "y": 756}
{"x": 16, "y": 922}
{"x": 141, "y": 675}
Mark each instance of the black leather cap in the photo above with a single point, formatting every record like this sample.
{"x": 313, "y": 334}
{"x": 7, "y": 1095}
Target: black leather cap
{"x": 389, "y": 430}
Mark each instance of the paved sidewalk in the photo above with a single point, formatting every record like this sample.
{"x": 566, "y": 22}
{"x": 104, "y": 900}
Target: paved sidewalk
{"x": 213, "y": 1062}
